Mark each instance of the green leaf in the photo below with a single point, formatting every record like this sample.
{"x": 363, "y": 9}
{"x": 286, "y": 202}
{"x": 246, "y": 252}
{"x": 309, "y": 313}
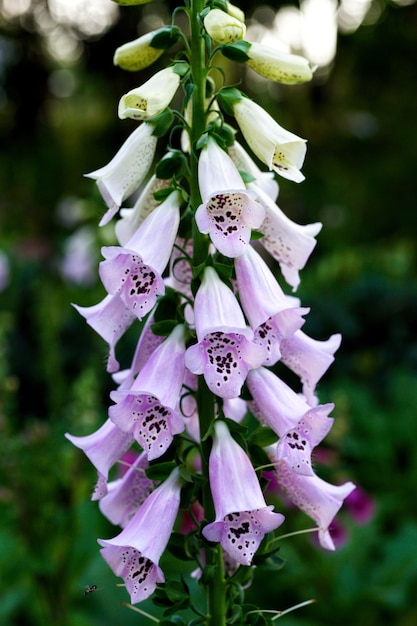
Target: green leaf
{"x": 162, "y": 194}
{"x": 170, "y": 165}
{"x": 256, "y": 234}
{"x": 263, "y": 436}
{"x": 227, "y": 97}
{"x": 247, "y": 178}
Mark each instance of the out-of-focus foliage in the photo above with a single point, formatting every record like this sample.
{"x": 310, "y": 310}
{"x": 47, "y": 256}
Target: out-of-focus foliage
{"x": 57, "y": 121}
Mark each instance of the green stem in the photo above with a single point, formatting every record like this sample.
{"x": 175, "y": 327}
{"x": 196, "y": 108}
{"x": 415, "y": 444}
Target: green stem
{"x": 216, "y": 589}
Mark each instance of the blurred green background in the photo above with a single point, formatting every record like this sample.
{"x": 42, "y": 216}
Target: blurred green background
{"x": 58, "y": 98}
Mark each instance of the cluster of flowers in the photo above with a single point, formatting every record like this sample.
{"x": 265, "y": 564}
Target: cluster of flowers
{"x": 232, "y": 328}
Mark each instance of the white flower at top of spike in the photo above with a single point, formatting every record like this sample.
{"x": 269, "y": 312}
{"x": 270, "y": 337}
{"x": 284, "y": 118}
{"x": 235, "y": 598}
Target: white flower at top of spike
{"x": 150, "y": 98}
{"x": 223, "y": 28}
{"x": 278, "y": 148}
{"x": 288, "y": 242}
{"x": 127, "y": 170}
{"x": 228, "y": 212}
{"x": 271, "y": 63}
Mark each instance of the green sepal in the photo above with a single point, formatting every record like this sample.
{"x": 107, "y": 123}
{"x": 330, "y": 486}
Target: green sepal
{"x": 189, "y": 90}
{"x": 263, "y": 437}
{"x": 162, "y": 122}
{"x": 224, "y": 135}
{"x": 162, "y": 194}
{"x": 164, "y": 328}
{"x": 160, "y": 471}
{"x": 227, "y": 97}
{"x": 202, "y": 142}
{"x": 247, "y": 178}
{"x": 165, "y": 37}
{"x": 235, "y": 615}
{"x": 236, "y": 51}
{"x": 171, "y": 164}
{"x": 181, "y": 68}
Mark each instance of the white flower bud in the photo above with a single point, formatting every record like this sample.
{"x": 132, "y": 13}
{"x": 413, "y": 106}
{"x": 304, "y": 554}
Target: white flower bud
{"x": 223, "y": 28}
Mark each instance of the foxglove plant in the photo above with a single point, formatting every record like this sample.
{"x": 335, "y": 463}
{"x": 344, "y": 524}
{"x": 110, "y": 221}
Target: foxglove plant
{"x": 192, "y": 267}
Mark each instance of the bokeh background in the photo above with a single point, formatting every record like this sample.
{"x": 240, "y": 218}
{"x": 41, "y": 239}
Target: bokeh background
{"x": 58, "y": 100}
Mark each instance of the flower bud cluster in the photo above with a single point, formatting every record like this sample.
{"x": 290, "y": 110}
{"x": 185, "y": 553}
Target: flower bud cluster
{"x": 192, "y": 269}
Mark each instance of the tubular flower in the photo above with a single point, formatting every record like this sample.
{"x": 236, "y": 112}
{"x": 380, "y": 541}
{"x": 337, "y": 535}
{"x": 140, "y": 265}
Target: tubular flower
{"x": 103, "y": 447}
{"x": 148, "y": 408}
{"x": 309, "y": 359}
{"x": 126, "y": 494}
{"x": 150, "y": 98}
{"x": 110, "y": 318}
{"x": 271, "y": 314}
{"x": 135, "y": 271}
{"x": 225, "y": 351}
{"x": 317, "y": 498}
{"x": 134, "y": 554}
{"x": 228, "y": 212}
{"x": 126, "y": 171}
{"x": 279, "y": 149}
{"x": 128, "y": 3}
{"x": 140, "y": 53}
{"x": 223, "y": 28}
{"x": 289, "y": 243}
{"x": 242, "y": 516}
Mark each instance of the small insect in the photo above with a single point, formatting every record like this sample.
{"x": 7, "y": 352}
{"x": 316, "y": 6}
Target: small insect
{"x": 90, "y": 589}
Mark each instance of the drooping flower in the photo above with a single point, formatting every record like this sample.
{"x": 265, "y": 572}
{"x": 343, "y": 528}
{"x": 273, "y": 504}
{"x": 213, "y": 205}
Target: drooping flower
{"x": 289, "y": 243}
{"x": 309, "y": 359}
{"x": 150, "y": 98}
{"x": 225, "y": 351}
{"x": 134, "y": 554}
{"x": 223, "y": 28}
{"x": 127, "y": 170}
{"x": 140, "y": 53}
{"x": 229, "y": 211}
{"x": 271, "y": 63}
{"x": 148, "y": 410}
{"x": 134, "y": 272}
{"x": 317, "y": 498}
{"x": 110, "y": 318}
{"x": 103, "y": 447}
{"x": 126, "y": 494}
{"x": 271, "y": 315}
{"x": 242, "y": 515}
{"x": 278, "y": 148}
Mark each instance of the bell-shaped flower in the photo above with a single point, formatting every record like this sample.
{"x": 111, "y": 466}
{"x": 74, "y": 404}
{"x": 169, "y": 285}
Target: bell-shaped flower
{"x": 132, "y": 218}
{"x": 127, "y": 170}
{"x": 126, "y": 494}
{"x": 225, "y": 351}
{"x": 229, "y": 211}
{"x": 317, "y": 498}
{"x": 245, "y": 164}
{"x": 242, "y": 515}
{"x": 279, "y": 149}
{"x": 309, "y": 359}
{"x": 134, "y": 553}
{"x": 299, "y": 426}
{"x": 152, "y": 97}
{"x": 148, "y": 409}
{"x": 103, "y": 448}
{"x": 289, "y": 243}
{"x": 135, "y": 272}
{"x": 110, "y": 318}
{"x": 140, "y": 53}
{"x": 271, "y": 315}
{"x": 271, "y": 63}
{"x": 223, "y": 28}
